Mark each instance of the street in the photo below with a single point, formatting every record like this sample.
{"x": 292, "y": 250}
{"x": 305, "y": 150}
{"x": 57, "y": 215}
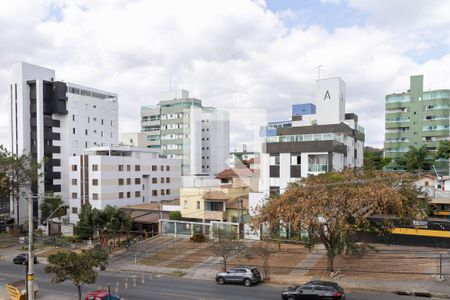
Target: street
{"x": 149, "y": 286}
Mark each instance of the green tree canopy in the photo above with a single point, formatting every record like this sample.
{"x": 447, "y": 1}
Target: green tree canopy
{"x": 16, "y": 174}
{"x": 416, "y": 160}
{"x": 79, "y": 268}
{"x": 443, "y": 150}
{"x": 52, "y": 205}
{"x": 373, "y": 159}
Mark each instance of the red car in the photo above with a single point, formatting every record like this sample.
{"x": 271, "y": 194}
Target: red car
{"x": 101, "y": 295}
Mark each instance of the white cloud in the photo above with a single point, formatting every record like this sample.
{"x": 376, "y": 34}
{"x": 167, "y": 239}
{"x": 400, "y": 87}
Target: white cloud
{"x": 231, "y": 54}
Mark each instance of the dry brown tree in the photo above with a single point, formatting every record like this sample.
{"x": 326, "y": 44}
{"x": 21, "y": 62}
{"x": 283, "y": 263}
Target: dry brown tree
{"x": 333, "y": 208}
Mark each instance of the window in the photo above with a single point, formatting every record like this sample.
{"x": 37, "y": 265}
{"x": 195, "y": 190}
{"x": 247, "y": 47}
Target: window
{"x": 74, "y": 195}
{"x": 86, "y": 144}
{"x": 137, "y": 167}
{"x": 137, "y": 194}
{"x": 167, "y": 191}
{"x": 274, "y": 160}
{"x": 128, "y": 168}
{"x": 73, "y": 130}
{"x": 94, "y": 196}
{"x": 94, "y": 181}
{"x": 128, "y": 181}
{"x": 162, "y": 168}
{"x": 120, "y": 168}
{"x": 74, "y": 167}
{"x": 154, "y": 168}
{"x": 154, "y": 180}
{"x": 120, "y": 181}
{"x": 162, "y": 179}
{"x": 185, "y": 204}
{"x": 154, "y": 193}
{"x": 86, "y": 132}
{"x": 296, "y": 159}
{"x": 197, "y": 205}
{"x": 102, "y": 121}
{"x": 128, "y": 194}
{"x": 74, "y": 210}
{"x": 94, "y": 167}
{"x": 73, "y": 117}
{"x": 74, "y": 182}
{"x": 137, "y": 181}
{"x": 120, "y": 195}
{"x": 163, "y": 192}
{"x": 167, "y": 168}
{"x": 167, "y": 179}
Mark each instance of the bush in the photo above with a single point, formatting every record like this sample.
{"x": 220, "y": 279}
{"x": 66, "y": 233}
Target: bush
{"x": 174, "y": 215}
{"x": 198, "y": 238}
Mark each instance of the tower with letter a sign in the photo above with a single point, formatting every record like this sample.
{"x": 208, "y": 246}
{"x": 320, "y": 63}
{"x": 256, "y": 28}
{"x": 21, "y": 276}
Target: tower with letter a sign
{"x": 330, "y": 101}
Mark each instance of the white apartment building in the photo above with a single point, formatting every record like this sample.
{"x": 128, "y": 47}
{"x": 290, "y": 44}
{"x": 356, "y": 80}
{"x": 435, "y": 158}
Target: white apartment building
{"x": 121, "y": 176}
{"x": 56, "y": 120}
{"x": 320, "y": 138}
{"x": 185, "y": 129}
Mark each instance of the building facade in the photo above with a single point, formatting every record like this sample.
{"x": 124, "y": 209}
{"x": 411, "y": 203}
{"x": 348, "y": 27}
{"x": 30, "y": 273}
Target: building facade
{"x": 121, "y": 176}
{"x": 184, "y": 129}
{"x": 416, "y": 118}
{"x": 133, "y": 139}
{"x": 54, "y": 120}
{"x": 320, "y": 138}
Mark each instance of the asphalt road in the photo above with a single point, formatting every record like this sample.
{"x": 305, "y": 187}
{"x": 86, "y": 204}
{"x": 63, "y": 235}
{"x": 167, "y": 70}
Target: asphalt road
{"x": 138, "y": 286}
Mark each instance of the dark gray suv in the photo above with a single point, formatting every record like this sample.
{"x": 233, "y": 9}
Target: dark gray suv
{"x": 245, "y": 275}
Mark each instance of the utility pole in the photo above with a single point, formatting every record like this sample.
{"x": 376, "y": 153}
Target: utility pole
{"x": 30, "y": 276}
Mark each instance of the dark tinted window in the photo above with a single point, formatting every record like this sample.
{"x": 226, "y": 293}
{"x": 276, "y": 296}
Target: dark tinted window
{"x": 307, "y": 287}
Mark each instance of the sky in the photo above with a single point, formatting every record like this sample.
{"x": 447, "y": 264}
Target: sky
{"x": 242, "y": 55}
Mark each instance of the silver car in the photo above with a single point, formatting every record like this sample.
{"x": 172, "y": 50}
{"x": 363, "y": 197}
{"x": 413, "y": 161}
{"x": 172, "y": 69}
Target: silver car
{"x": 246, "y": 275}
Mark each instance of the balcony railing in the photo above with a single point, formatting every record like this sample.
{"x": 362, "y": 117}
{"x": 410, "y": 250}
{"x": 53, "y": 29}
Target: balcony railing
{"x": 304, "y": 138}
{"x": 316, "y": 168}
{"x": 214, "y": 215}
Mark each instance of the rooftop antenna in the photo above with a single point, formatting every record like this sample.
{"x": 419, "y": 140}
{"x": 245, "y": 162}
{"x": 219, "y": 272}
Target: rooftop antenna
{"x": 319, "y": 69}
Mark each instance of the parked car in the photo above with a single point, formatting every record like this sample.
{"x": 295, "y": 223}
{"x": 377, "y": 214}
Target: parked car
{"x": 246, "y": 275}
{"x": 22, "y": 259}
{"x": 325, "y": 290}
{"x": 101, "y": 295}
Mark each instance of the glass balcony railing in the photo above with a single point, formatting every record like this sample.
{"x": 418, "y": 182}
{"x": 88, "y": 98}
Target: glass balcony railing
{"x": 398, "y": 98}
{"x": 304, "y": 138}
{"x": 317, "y": 168}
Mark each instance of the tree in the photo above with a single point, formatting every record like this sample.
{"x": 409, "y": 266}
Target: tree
{"x": 333, "y": 208}
{"x": 17, "y": 173}
{"x": 108, "y": 221}
{"x": 79, "y": 268}
{"x": 226, "y": 245}
{"x": 443, "y": 150}
{"x": 52, "y": 205}
{"x": 85, "y": 228}
{"x": 264, "y": 250}
{"x": 175, "y": 215}
{"x": 416, "y": 159}
{"x": 373, "y": 159}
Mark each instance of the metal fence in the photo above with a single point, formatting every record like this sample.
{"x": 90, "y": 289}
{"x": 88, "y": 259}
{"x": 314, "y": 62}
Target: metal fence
{"x": 186, "y": 228}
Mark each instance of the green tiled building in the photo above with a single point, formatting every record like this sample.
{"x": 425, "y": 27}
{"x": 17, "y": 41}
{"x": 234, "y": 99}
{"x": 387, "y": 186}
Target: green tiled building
{"x": 416, "y": 118}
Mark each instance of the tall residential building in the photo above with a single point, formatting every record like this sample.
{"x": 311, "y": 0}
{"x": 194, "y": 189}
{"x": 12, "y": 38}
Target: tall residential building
{"x": 54, "y": 120}
{"x": 121, "y": 176}
{"x": 185, "y": 129}
{"x": 416, "y": 118}
{"x": 319, "y": 138}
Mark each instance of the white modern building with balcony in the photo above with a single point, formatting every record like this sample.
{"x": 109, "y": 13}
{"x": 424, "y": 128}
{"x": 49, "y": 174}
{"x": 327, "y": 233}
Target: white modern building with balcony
{"x": 53, "y": 121}
{"x": 319, "y": 138}
{"x": 121, "y": 176}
